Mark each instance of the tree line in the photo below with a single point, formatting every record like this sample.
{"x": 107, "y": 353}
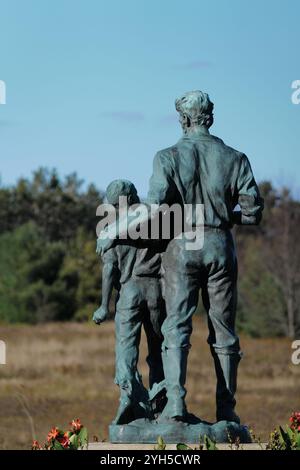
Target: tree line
{"x": 49, "y": 270}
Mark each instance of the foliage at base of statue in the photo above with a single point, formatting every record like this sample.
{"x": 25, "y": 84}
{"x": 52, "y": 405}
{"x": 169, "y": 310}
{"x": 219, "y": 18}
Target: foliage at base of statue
{"x": 207, "y": 444}
{"x": 73, "y": 439}
{"x": 280, "y": 439}
{"x": 161, "y": 445}
{"x": 288, "y": 438}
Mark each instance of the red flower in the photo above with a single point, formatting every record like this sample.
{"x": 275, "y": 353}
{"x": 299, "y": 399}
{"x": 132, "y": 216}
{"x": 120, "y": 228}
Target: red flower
{"x": 52, "y": 434}
{"x": 35, "y": 445}
{"x": 295, "y": 421}
{"x": 76, "y": 425}
{"x": 64, "y": 440}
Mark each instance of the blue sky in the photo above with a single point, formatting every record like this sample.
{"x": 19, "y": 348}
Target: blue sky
{"x": 91, "y": 84}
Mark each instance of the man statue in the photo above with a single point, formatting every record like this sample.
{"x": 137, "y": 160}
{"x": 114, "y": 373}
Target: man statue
{"x": 201, "y": 169}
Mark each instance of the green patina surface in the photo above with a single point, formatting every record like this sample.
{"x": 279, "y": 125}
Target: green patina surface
{"x": 199, "y": 169}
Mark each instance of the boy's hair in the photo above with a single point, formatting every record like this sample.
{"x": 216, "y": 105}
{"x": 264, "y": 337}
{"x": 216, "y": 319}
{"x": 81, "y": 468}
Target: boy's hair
{"x": 119, "y": 188}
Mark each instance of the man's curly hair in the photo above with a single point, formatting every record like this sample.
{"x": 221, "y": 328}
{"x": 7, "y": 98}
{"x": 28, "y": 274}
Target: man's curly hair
{"x": 195, "y": 109}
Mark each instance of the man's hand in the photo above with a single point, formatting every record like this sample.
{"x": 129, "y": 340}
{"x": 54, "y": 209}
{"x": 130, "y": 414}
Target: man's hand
{"x": 103, "y": 244}
{"x": 100, "y": 315}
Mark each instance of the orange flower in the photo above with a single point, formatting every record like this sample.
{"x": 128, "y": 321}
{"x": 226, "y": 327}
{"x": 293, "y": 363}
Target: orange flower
{"x": 52, "y": 434}
{"x": 76, "y": 425}
{"x": 64, "y": 440}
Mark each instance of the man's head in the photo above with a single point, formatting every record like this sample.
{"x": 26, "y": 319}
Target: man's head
{"x": 118, "y": 188}
{"x": 195, "y": 109}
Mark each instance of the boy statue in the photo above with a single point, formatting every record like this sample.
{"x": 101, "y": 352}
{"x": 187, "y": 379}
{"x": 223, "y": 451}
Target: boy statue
{"x": 135, "y": 273}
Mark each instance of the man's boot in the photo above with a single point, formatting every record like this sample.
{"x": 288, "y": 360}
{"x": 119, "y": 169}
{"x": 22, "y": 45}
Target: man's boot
{"x": 175, "y": 366}
{"x": 226, "y": 366}
{"x": 125, "y": 413}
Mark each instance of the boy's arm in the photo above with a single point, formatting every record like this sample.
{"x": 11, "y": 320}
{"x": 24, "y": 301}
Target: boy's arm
{"x": 109, "y": 280}
{"x": 161, "y": 190}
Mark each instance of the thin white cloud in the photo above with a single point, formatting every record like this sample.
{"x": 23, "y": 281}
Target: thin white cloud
{"x": 169, "y": 119}
{"x": 129, "y": 116}
{"x": 194, "y": 65}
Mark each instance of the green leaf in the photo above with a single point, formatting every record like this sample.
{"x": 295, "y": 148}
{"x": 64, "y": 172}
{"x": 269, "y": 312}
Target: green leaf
{"x": 83, "y": 437}
{"x": 182, "y": 446}
{"x": 297, "y": 439}
{"x": 160, "y": 444}
{"x": 284, "y": 439}
{"x": 291, "y": 433}
{"x": 74, "y": 440}
{"x": 209, "y": 443}
{"x": 57, "y": 445}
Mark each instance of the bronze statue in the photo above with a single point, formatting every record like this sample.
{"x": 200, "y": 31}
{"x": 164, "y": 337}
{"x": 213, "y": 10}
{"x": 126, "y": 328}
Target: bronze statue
{"x": 200, "y": 169}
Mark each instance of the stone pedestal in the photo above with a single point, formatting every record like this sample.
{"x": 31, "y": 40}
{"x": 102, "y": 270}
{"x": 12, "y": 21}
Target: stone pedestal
{"x": 147, "y": 432}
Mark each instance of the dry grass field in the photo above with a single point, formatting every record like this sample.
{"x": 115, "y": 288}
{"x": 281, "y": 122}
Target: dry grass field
{"x": 66, "y": 370}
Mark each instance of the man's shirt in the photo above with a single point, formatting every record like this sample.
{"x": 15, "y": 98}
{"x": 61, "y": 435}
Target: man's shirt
{"x": 203, "y": 170}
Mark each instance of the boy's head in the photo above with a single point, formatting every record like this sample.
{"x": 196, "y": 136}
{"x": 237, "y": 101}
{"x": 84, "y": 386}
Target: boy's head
{"x": 118, "y": 188}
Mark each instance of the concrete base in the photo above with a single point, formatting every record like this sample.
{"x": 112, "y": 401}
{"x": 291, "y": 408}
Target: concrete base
{"x": 108, "y": 446}
{"x": 174, "y": 432}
